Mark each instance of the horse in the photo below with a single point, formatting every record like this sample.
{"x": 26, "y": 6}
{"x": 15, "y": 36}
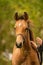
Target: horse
{"x": 24, "y": 53}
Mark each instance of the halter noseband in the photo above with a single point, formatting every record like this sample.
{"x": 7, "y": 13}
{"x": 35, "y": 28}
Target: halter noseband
{"x": 22, "y": 34}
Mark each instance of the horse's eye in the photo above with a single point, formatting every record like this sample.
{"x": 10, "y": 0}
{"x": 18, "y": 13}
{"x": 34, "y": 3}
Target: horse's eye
{"x": 26, "y": 29}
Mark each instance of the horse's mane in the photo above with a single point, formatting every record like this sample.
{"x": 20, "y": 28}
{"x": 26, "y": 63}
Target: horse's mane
{"x": 21, "y": 17}
{"x": 30, "y": 31}
{"x": 31, "y": 35}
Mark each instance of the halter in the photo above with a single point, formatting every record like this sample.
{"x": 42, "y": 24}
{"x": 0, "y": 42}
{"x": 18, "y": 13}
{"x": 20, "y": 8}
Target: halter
{"x": 23, "y": 36}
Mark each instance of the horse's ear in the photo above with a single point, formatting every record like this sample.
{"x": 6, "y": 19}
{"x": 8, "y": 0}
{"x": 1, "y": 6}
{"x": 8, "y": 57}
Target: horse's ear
{"x": 16, "y": 16}
{"x": 25, "y": 16}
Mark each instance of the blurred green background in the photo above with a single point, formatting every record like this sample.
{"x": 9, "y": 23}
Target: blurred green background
{"x": 34, "y": 8}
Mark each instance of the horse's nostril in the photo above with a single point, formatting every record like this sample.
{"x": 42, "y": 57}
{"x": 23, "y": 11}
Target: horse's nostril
{"x": 19, "y": 45}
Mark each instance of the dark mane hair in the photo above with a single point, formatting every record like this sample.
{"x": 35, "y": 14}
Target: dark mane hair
{"x": 21, "y": 17}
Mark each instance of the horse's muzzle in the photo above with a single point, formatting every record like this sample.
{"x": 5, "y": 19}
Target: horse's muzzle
{"x": 20, "y": 41}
